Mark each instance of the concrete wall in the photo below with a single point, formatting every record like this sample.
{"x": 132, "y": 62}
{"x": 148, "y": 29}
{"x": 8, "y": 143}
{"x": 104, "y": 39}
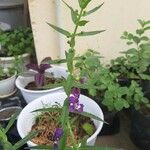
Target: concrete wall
{"x": 115, "y": 16}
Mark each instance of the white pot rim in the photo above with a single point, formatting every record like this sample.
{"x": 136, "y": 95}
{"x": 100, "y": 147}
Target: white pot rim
{"x": 12, "y": 57}
{"x": 5, "y": 80}
{"x": 37, "y": 91}
{"x": 40, "y": 100}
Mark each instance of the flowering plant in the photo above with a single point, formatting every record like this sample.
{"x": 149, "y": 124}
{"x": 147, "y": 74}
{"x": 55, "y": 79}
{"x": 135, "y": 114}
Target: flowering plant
{"x": 72, "y": 84}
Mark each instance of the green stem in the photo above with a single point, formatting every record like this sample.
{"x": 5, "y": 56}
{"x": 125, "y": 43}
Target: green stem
{"x": 76, "y": 27}
{"x": 75, "y": 147}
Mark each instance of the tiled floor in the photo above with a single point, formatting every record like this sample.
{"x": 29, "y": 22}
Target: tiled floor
{"x": 120, "y": 140}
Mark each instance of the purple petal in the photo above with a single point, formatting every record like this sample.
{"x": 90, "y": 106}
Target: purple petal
{"x": 71, "y": 108}
{"x": 33, "y": 67}
{"x": 43, "y": 67}
{"x": 58, "y": 134}
{"x": 39, "y": 79}
{"x": 72, "y": 99}
{"x": 76, "y": 92}
{"x": 80, "y": 108}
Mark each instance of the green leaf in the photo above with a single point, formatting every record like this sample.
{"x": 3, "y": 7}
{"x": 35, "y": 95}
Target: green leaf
{"x": 90, "y": 33}
{"x": 74, "y": 14}
{"x": 145, "y": 76}
{"x": 129, "y": 43}
{"x": 88, "y": 128}
{"x": 51, "y": 109}
{"x": 119, "y": 104}
{"x": 93, "y": 10}
{"x": 83, "y": 3}
{"x": 12, "y": 120}
{"x": 29, "y": 137}
{"x": 140, "y": 31}
{"x": 136, "y": 39}
{"x": 43, "y": 147}
{"x": 147, "y": 28}
{"x": 141, "y": 22}
{"x": 144, "y": 38}
{"x": 60, "y": 30}
{"x": 89, "y": 115}
{"x": 82, "y": 23}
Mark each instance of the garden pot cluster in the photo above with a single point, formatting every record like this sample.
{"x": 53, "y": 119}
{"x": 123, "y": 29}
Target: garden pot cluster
{"x": 85, "y": 89}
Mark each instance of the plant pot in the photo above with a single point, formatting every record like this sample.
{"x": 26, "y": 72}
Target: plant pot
{"x": 113, "y": 126}
{"x": 6, "y": 113}
{"x": 110, "y": 117}
{"x": 30, "y": 95}
{"x": 7, "y": 86}
{"x": 140, "y": 128}
{"x": 49, "y": 100}
{"x": 6, "y": 62}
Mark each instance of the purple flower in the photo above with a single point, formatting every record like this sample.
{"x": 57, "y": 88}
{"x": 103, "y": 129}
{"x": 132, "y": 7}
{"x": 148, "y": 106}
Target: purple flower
{"x": 57, "y": 135}
{"x": 75, "y": 92}
{"x": 74, "y": 101}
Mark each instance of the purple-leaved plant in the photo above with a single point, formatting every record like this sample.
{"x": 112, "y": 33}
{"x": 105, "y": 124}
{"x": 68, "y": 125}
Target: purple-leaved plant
{"x": 40, "y": 72}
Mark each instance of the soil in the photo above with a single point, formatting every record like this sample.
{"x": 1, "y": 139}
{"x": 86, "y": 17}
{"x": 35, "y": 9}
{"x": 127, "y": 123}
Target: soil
{"x": 48, "y": 81}
{"x": 7, "y": 113}
{"x": 49, "y": 121}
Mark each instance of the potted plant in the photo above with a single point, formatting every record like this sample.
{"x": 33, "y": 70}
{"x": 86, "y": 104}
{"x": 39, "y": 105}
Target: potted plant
{"x": 55, "y": 102}
{"x": 140, "y": 124}
{"x": 40, "y": 80}
{"x": 7, "y": 82}
{"x": 71, "y": 101}
{"x": 109, "y": 94}
{"x": 16, "y": 44}
{"x": 134, "y": 65}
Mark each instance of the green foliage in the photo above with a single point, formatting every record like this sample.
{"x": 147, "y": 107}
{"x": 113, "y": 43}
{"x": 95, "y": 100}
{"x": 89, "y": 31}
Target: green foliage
{"x": 102, "y": 84}
{"x": 135, "y": 62}
{"x": 135, "y": 96}
{"x": 16, "y": 42}
{"x": 6, "y": 73}
{"x": 3, "y": 137}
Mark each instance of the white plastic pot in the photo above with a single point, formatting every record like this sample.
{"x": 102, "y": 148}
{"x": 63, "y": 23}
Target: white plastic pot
{"x": 7, "y": 86}
{"x": 27, "y": 118}
{"x": 30, "y": 95}
{"x": 6, "y": 62}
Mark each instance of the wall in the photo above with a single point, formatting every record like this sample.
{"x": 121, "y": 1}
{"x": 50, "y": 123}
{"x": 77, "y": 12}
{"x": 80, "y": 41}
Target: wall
{"x": 115, "y": 16}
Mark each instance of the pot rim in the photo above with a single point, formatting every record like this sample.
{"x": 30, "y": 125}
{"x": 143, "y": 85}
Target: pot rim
{"x": 11, "y": 77}
{"x": 12, "y": 57}
{"x": 7, "y": 108}
{"x": 59, "y": 94}
{"x": 37, "y": 91}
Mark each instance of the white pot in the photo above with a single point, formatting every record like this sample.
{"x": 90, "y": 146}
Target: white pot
{"x": 7, "y": 86}
{"x": 30, "y": 95}
{"x": 6, "y": 62}
{"x": 27, "y": 118}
